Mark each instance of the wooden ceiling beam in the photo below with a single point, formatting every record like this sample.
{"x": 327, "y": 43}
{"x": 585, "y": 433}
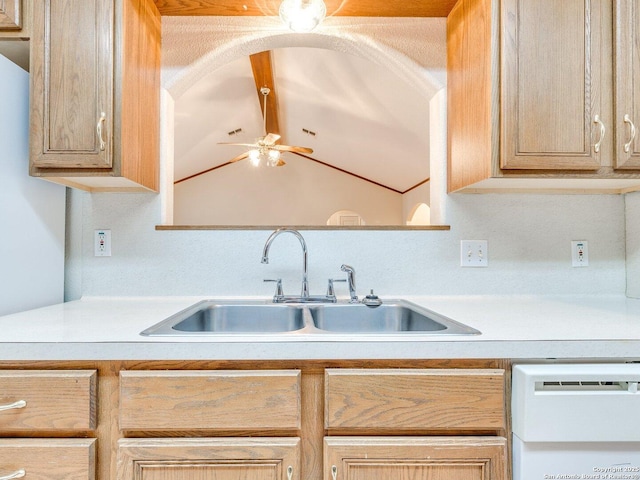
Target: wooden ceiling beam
{"x": 263, "y": 76}
{"x": 345, "y": 8}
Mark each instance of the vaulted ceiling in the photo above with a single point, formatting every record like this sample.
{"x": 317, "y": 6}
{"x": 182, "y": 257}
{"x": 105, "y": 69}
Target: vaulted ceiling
{"x": 357, "y": 116}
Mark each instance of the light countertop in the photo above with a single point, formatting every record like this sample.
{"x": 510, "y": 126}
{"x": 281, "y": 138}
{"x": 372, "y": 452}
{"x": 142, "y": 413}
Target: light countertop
{"x": 518, "y": 327}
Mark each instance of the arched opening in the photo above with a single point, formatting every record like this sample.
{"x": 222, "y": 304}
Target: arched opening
{"x": 179, "y": 78}
{"x": 420, "y": 215}
{"x": 345, "y": 218}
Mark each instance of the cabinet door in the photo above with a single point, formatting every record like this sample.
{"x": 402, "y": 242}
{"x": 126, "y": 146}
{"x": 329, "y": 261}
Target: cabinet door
{"x": 219, "y": 458}
{"x": 627, "y": 83}
{"x": 417, "y": 458}
{"x": 72, "y": 83}
{"x": 10, "y": 15}
{"x": 551, "y": 103}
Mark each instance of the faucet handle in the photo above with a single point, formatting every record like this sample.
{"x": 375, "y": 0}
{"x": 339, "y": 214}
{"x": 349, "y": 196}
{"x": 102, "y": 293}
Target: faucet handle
{"x": 330, "y": 290}
{"x": 278, "y": 282}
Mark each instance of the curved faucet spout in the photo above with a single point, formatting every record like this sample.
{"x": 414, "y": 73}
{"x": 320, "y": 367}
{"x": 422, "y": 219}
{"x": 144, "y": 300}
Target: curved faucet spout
{"x": 267, "y": 246}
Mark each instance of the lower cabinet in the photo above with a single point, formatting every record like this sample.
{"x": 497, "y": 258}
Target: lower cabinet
{"x": 48, "y": 458}
{"x": 209, "y": 458}
{"x": 415, "y": 458}
{"x": 279, "y": 420}
{"x": 37, "y": 407}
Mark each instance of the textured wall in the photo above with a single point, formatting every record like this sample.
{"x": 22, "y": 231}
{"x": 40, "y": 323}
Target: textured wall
{"x": 529, "y": 251}
{"x": 529, "y": 235}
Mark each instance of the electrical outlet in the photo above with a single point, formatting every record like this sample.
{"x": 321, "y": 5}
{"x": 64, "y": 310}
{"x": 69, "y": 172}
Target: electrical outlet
{"x": 474, "y": 253}
{"x": 102, "y": 243}
{"x": 579, "y": 253}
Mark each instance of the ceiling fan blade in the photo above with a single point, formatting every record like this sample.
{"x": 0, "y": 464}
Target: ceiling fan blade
{"x": 289, "y": 148}
{"x": 270, "y": 139}
{"x": 253, "y": 145}
{"x": 242, "y": 156}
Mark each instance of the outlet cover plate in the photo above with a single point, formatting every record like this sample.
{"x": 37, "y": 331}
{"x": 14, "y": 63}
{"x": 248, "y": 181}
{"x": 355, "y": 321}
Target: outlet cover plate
{"x": 102, "y": 243}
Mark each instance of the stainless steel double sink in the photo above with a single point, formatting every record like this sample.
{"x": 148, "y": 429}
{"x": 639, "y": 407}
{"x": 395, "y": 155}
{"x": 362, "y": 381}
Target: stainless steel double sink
{"x": 393, "y": 317}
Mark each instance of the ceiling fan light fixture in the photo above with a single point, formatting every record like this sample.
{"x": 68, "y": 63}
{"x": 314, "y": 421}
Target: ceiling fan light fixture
{"x": 274, "y": 158}
{"x": 302, "y": 15}
{"x": 254, "y": 157}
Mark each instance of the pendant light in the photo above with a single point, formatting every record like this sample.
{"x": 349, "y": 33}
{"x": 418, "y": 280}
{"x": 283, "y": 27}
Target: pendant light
{"x": 302, "y": 15}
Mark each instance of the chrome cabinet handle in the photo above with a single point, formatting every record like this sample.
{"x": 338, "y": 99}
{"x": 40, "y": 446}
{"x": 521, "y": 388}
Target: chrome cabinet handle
{"x": 13, "y": 406}
{"x": 597, "y": 121}
{"x": 17, "y": 474}
{"x": 289, "y": 472}
{"x": 334, "y": 472}
{"x": 627, "y": 146}
{"x": 101, "y": 120}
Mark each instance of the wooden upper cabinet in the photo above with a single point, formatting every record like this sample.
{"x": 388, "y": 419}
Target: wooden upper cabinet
{"x": 72, "y": 111}
{"x": 627, "y": 83}
{"x": 532, "y": 88}
{"x": 551, "y": 99}
{"x": 95, "y": 83}
{"x": 10, "y": 15}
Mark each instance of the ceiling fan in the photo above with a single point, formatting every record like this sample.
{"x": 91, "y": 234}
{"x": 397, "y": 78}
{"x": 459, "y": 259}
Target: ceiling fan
{"x": 265, "y": 147}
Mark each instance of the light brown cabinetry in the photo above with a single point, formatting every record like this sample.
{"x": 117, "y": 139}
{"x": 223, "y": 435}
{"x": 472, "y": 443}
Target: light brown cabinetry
{"x": 261, "y": 403}
{"x": 409, "y": 400}
{"x": 95, "y": 70}
{"x": 275, "y": 420}
{"x": 47, "y": 400}
{"x": 418, "y": 458}
{"x": 200, "y": 458}
{"x": 530, "y": 102}
{"x": 627, "y": 83}
{"x": 44, "y": 404}
{"x": 417, "y": 402}
{"x": 220, "y": 400}
{"x": 10, "y": 15}
{"x": 552, "y": 85}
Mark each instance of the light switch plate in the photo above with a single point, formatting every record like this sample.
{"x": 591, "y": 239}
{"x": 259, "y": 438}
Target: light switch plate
{"x": 474, "y": 253}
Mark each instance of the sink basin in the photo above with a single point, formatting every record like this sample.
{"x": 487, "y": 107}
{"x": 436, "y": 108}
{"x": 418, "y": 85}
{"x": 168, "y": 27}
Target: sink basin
{"x": 215, "y": 317}
{"x": 393, "y": 316}
{"x": 212, "y": 317}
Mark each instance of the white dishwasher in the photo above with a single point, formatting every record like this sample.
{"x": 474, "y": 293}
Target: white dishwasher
{"x": 576, "y": 421}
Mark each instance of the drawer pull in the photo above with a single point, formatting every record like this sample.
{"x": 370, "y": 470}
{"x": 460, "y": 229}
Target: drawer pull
{"x": 289, "y": 472}
{"x": 13, "y": 406}
{"x": 17, "y": 474}
{"x": 334, "y": 472}
{"x": 627, "y": 146}
{"x": 103, "y": 144}
{"x": 597, "y": 121}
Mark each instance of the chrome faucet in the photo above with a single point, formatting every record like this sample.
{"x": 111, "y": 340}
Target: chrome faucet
{"x": 351, "y": 281}
{"x": 305, "y": 274}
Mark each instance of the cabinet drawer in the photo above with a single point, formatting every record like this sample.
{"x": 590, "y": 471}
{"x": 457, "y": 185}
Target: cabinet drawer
{"x": 408, "y": 400}
{"x": 50, "y": 459}
{"x": 47, "y": 400}
{"x": 220, "y": 400}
